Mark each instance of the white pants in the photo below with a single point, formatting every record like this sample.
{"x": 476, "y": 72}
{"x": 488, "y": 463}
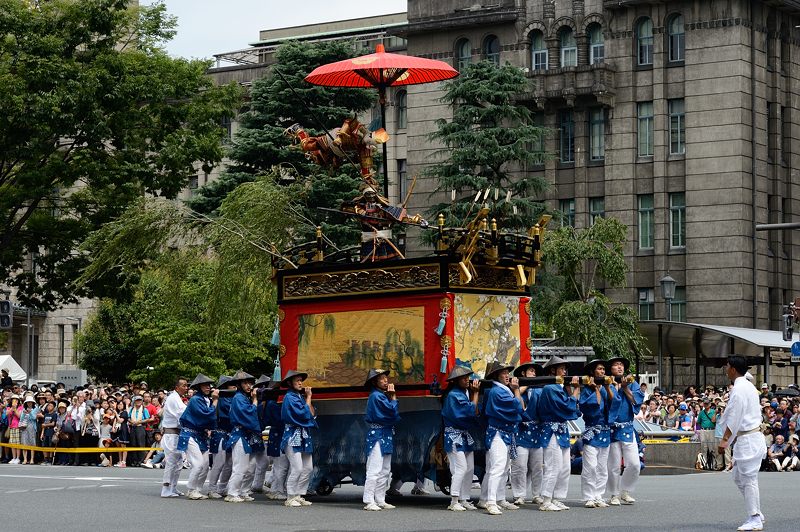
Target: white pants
{"x": 280, "y": 469}
{"x": 526, "y": 472}
{"x": 748, "y": 453}
{"x": 462, "y": 466}
{"x": 262, "y": 462}
{"x": 397, "y": 483}
{"x": 300, "y": 467}
{"x": 220, "y": 471}
{"x": 242, "y": 471}
{"x": 493, "y": 487}
{"x": 555, "y": 479}
{"x": 173, "y": 463}
{"x": 618, "y": 451}
{"x": 594, "y": 474}
{"x": 790, "y": 461}
{"x": 379, "y": 470}
{"x": 198, "y": 462}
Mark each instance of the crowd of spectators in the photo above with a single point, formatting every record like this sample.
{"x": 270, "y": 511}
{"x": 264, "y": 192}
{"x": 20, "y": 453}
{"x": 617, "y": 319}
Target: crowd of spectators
{"x": 108, "y": 418}
{"x": 699, "y": 412}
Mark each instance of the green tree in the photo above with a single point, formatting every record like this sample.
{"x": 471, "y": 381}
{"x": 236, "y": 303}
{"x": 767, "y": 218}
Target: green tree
{"x": 94, "y": 115}
{"x": 278, "y": 100}
{"x": 205, "y": 306}
{"x": 568, "y": 301}
{"x": 486, "y": 146}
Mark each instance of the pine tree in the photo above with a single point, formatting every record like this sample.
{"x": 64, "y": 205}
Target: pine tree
{"x": 278, "y": 100}
{"x": 487, "y": 145}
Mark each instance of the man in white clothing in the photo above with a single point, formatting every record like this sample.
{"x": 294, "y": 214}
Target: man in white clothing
{"x": 742, "y": 422}
{"x": 173, "y": 458}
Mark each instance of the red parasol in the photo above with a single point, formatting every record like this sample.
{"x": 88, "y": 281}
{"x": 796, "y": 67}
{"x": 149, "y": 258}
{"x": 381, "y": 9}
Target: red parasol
{"x": 381, "y": 70}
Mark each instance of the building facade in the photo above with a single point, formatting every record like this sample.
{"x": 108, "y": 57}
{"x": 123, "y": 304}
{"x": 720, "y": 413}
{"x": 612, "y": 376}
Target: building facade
{"x": 677, "y": 118}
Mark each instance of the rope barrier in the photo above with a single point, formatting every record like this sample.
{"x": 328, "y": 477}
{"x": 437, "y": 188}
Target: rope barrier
{"x": 76, "y": 450}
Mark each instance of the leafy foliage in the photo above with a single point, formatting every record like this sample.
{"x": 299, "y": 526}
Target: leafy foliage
{"x": 208, "y": 306}
{"x": 278, "y": 100}
{"x": 568, "y": 301}
{"x": 489, "y": 141}
{"x": 94, "y": 115}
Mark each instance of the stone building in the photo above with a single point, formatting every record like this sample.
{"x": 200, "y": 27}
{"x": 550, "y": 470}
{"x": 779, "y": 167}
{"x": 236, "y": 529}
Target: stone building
{"x": 653, "y": 123}
{"x": 675, "y": 117}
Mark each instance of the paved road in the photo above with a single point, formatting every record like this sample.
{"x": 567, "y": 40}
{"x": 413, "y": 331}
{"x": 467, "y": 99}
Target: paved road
{"x": 81, "y": 498}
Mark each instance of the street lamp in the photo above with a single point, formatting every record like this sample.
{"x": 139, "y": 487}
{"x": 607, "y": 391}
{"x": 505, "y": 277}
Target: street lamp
{"x": 668, "y": 293}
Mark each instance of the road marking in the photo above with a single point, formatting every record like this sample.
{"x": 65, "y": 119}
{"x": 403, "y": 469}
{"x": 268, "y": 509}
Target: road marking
{"x": 17, "y": 491}
{"x": 49, "y": 489}
{"x": 82, "y": 487}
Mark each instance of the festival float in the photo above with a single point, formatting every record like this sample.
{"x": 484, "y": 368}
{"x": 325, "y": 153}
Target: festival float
{"x": 344, "y": 312}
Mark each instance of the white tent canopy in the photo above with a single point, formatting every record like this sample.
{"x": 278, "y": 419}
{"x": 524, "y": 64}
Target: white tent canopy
{"x": 15, "y": 371}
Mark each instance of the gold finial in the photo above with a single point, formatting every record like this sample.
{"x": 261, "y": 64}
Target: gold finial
{"x": 440, "y": 219}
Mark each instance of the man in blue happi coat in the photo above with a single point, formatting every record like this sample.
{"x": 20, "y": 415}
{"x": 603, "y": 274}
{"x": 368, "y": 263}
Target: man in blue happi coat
{"x": 503, "y": 412}
{"x": 280, "y": 464}
{"x": 526, "y": 468}
{"x": 625, "y": 404}
{"x": 197, "y": 422}
{"x": 460, "y": 416}
{"x": 382, "y": 415}
{"x": 558, "y": 404}
{"x": 594, "y": 405}
{"x": 245, "y": 439}
{"x": 299, "y": 418}
{"x": 262, "y": 458}
{"x": 221, "y": 466}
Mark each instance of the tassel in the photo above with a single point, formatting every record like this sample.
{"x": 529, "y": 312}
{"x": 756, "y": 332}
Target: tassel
{"x": 442, "y": 322}
{"x": 276, "y": 374}
{"x": 443, "y": 366}
{"x": 276, "y": 334}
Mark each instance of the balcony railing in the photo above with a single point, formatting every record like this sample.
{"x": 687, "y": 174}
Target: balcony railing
{"x": 569, "y": 83}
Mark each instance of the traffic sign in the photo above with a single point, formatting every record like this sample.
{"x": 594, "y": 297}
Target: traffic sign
{"x": 796, "y": 353}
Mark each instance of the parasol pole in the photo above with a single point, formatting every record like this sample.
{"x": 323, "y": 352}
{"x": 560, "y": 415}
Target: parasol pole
{"x": 382, "y": 99}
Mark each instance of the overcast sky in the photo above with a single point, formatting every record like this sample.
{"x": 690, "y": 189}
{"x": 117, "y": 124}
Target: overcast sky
{"x": 208, "y": 27}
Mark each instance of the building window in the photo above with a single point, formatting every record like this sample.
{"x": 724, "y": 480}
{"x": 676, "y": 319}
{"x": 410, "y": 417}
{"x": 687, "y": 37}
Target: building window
{"x": 402, "y": 182}
{"x": 644, "y": 42}
{"x": 402, "y": 109}
{"x": 491, "y": 49}
{"x": 677, "y": 220}
{"x": 567, "y": 208}
{"x": 538, "y": 51}
{"x": 194, "y": 181}
{"x": 677, "y": 38}
{"x": 786, "y": 135}
{"x": 678, "y": 304}
{"x": 227, "y": 126}
{"x": 597, "y": 209}
{"x": 677, "y": 127}
{"x": 566, "y": 127}
{"x": 62, "y": 346}
{"x": 645, "y": 115}
{"x": 74, "y": 344}
{"x": 538, "y": 121}
{"x": 771, "y": 131}
{"x": 463, "y": 54}
{"x": 597, "y": 49}
{"x": 646, "y": 222}
{"x": 647, "y": 304}
{"x": 569, "y": 48}
{"x": 597, "y": 134}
